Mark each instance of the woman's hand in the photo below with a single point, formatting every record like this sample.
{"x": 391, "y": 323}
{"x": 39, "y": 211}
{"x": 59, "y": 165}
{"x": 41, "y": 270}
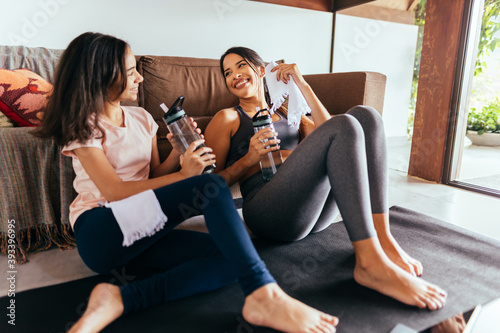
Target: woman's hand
{"x": 193, "y": 163}
{"x": 258, "y": 146}
{"x": 318, "y": 111}
{"x": 287, "y": 71}
{"x": 170, "y": 136}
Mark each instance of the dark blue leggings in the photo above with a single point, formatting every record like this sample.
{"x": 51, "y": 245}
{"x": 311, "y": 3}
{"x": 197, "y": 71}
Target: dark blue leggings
{"x": 180, "y": 263}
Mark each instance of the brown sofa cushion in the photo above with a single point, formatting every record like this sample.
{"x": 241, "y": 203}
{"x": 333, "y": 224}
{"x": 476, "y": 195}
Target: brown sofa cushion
{"x": 341, "y": 91}
{"x": 199, "y": 80}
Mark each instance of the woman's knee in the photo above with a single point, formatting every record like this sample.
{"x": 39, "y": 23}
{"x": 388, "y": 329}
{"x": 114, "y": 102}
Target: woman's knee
{"x": 345, "y": 125}
{"x": 367, "y": 116}
{"x": 212, "y": 181}
{"x": 212, "y": 189}
{"x": 100, "y": 264}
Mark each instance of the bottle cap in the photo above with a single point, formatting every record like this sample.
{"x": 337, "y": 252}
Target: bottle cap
{"x": 262, "y": 118}
{"x": 175, "y": 112}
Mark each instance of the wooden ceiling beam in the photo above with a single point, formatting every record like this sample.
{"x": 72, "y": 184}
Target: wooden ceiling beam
{"x": 321, "y": 5}
{"x": 394, "y": 4}
{"x": 336, "y": 5}
{"x": 413, "y": 5}
{"x": 375, "y": 12}
{"x": 343, "y": 4}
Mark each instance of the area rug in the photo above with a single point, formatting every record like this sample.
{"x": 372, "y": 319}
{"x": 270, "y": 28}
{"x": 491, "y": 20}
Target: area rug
{"x": 316, "y": 270}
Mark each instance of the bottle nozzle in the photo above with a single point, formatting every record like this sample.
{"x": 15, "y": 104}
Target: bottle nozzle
{"x": 164, "y": 107}
{"x": 174, "y": 112}
{"x": 177, "y": 104}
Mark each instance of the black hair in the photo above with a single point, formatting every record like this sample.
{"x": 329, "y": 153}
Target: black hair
{"x": 252, "y": 58}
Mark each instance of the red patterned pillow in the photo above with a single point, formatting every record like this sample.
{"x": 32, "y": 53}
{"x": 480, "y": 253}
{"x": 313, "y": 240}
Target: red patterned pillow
{"x": 23, "y": 95}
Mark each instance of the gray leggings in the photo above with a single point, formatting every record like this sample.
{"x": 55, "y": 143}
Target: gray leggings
{"x": 341, "y": 165}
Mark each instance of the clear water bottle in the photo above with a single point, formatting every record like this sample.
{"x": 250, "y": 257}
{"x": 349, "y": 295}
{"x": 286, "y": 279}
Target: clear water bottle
{"x": 183, "y": 132}
{"x": 270, "y": 161}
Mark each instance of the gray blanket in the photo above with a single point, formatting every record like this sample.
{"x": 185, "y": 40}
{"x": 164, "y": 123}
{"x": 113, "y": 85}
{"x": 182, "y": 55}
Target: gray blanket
{"x": 35, "y": 179}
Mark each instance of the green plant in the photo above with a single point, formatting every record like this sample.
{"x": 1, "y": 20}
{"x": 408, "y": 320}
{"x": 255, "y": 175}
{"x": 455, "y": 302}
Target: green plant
{"x": 419, "y": 21}
{"x": 486, "y": 120}
{"x": 488, "y": 42}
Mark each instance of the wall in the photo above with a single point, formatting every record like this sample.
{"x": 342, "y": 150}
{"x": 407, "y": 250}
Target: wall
{"x": 206, "y": 28}
{"x": 197, "y": 28}
{"x": 363, "y": 44}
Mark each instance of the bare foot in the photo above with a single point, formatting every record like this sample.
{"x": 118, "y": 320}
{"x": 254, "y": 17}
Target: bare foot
{"x": 105, "y": 305}
{"x": 270, "y": 306}
{"x": 399, "y": 256}
{"x": 392, "y": 248}
{"x": 379, "y": 273}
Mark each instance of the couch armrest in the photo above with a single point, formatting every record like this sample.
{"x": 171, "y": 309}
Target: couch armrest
{"x": 37, "y": 189}
{"x": 341, "y": 91}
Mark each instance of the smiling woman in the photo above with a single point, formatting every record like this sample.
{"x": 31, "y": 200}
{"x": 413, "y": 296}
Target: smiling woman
{"x": 244, "y": 84}
{"x": 331, "y": 164}
{"x": 89, "y": 80}
{"x": 128, "y": 202}
{"x": 119, "y": 93}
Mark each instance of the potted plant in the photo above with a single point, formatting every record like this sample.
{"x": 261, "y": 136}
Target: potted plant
{"x": 483, "y": 126}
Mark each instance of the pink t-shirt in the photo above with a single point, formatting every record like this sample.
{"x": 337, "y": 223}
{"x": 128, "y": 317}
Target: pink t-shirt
{"x": 127, "y": 148}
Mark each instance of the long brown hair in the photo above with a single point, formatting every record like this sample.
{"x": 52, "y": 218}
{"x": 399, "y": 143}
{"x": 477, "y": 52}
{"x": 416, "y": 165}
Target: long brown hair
{"x": 89, "y": 66}
{"x": 254, "y": 60}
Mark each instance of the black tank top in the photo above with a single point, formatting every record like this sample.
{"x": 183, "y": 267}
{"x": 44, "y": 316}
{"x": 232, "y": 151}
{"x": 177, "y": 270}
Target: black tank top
{"x": 240, "y": 141}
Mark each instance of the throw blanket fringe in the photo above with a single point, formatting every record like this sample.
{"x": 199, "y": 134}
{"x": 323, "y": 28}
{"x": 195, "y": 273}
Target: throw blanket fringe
{"x": 36, "y": 182}
{"x": 39, "y": 238}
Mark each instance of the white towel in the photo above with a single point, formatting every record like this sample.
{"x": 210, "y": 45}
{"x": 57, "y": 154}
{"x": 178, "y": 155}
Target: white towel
{"x": 138, "y": 216}
{"x": 278, "y": 90}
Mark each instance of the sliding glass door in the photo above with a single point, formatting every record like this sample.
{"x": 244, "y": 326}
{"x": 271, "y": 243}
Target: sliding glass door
{"x": 473, "y": 155}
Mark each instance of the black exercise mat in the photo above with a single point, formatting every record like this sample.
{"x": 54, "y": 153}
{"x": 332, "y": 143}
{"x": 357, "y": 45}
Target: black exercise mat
{"x": 316, "y": 270}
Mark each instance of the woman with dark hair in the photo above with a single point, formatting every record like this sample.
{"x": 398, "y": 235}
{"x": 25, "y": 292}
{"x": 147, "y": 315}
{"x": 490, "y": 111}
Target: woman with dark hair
{"x": 331, "y": 164}
{"x": 128, "y": 202}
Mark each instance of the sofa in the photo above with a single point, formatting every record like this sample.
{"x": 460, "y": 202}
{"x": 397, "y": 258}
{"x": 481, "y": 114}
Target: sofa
{"x": 36, "y": 180}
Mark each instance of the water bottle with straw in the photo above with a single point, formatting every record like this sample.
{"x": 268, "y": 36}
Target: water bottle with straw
{"x": 270, "y": 161}
{"x": 183, "y": 132}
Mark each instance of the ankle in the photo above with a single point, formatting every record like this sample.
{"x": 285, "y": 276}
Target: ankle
{"x": 385, "y": 238}
{"x": 369, "y": 253}
{"x": 268, "y": 291}
{"x": 364, "y": 264}
{"x": 381, "y": 223}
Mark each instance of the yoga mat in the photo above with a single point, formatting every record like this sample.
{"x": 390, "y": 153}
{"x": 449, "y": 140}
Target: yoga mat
{"x": 316, "y": 270}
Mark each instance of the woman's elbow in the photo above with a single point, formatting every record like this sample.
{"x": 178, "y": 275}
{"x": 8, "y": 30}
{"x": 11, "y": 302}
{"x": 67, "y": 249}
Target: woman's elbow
{"x": 115, "y": 192}
{"x": 110, "y": 197}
